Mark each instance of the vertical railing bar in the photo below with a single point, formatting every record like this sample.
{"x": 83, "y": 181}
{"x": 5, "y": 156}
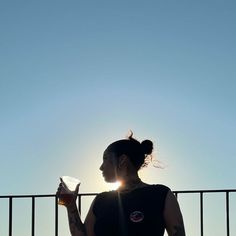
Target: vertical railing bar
{"x": 201, "y": 212}
{"x": 56, "y": 215}
{"x": 33, "y": 217}
{"x": 79, "y": 204}
{"x": 227, "y": 212}
{"x": 10, "y": 216}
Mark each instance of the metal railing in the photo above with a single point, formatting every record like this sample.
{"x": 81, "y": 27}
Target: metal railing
{"x": 200, "y": 193}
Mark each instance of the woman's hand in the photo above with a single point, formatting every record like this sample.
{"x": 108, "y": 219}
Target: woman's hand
{"x": 66, "y": 197}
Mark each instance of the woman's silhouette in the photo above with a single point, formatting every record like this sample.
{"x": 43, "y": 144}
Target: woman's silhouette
{"x": 135, "y": 208}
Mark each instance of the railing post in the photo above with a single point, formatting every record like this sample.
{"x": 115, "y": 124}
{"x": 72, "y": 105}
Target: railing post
{"x": 79, "y": 204}
{"x": 56, "y": 215}
{"x": 201, "y": 212}
{"x": 227, "y": 212}
{"x": 33, "y": 217}
{"x": 10, "y": 216}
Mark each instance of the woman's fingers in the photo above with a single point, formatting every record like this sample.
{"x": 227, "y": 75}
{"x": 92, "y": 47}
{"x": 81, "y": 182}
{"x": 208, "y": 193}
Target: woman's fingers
{"x": 76, "y": 189}
{"x": 61, "y": 189}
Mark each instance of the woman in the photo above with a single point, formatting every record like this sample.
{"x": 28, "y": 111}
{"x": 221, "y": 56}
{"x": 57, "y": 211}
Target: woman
{"x": 136, "y": 208}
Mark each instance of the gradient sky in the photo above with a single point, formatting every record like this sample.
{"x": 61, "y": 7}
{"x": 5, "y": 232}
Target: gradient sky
{"x": 77, "y": 75}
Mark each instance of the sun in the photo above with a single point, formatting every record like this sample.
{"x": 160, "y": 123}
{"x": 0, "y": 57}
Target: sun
{"x": 115, "y": 185}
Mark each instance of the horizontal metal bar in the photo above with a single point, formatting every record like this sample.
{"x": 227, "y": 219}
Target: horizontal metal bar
{"x": 206, "y": 191}
{"x": 93, "y": 194}
{"x": 28, "y": 196}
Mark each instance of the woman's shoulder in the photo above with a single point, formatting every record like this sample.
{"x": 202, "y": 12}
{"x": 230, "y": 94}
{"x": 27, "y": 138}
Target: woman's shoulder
{"x": 155, "y": 193}
{"x": 104, "y": 199}
{"x": 155, "y": 187}
{"x": 155, "y": 190}
{"x": 106, "y": 194}
{"x": 160, "y": 187}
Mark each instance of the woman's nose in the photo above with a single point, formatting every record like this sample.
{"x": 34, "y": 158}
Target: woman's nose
{"x": 101, "y": 167}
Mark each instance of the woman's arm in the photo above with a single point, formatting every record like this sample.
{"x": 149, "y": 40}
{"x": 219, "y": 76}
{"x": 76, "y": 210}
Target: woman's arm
{"x": 173, "y": 216}
{"x": 77, "y": 227}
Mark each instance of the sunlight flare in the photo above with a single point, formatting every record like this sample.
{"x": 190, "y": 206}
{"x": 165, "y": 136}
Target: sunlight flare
{"x": 115, "y": 185}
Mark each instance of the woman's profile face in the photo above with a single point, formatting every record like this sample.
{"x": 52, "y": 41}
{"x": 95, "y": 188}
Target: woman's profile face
{"x": 109, "y": 166}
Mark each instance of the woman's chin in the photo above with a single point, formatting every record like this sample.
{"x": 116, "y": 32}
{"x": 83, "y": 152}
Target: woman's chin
{"x": 110, "y": 180}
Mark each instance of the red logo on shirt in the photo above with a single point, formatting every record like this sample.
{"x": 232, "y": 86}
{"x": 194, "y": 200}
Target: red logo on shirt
{"x": 136, "y": 216}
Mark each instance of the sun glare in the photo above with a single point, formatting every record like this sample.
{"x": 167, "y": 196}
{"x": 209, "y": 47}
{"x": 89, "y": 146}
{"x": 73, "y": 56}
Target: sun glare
{"x": 114, "y": 186}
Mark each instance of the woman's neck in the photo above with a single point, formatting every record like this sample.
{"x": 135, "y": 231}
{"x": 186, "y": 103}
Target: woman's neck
{"x": 130, "y": 183}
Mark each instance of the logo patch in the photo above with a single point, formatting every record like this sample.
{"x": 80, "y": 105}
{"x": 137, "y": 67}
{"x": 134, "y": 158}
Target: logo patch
{"x": 136, "y": 216}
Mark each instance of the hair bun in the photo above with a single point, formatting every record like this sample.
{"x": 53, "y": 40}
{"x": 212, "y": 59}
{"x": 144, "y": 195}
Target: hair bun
{"x": 147, "y": 147}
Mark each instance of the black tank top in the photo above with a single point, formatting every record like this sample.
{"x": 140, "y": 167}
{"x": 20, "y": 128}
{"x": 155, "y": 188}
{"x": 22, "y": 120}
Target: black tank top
{"x": 136, "y": 213}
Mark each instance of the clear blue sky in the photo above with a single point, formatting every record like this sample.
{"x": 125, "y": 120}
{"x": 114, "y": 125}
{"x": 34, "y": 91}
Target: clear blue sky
{"x": 77, "y": 75}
